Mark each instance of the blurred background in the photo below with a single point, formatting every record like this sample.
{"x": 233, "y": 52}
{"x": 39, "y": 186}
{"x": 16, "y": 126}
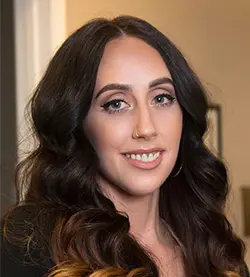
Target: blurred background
{"x": 214, "y": 36}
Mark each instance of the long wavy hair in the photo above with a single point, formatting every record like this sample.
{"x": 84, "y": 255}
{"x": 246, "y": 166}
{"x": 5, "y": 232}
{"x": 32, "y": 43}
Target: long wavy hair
{"x": 65, "y": 214}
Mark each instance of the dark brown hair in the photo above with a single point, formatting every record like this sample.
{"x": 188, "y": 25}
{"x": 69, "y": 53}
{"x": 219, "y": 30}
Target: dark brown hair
{"x": 65, "y": 214}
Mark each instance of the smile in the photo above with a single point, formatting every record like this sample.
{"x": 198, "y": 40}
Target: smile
{"x": 144, "y": 160}
{"x": 144, "y": 157}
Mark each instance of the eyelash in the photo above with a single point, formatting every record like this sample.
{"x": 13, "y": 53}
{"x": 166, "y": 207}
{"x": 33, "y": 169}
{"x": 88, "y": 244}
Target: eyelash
{"x": 169, "y": 97}
{"x": 107, "y": 105}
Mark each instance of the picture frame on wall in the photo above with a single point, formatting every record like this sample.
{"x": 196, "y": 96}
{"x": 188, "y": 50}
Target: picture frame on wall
{"x": 245, "y": 193}
{"x": 213, "y": 137}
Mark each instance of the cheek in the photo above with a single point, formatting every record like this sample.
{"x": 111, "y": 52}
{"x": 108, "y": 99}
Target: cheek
{"x": 106, "y": 132}
{"x": 171, "y": 127}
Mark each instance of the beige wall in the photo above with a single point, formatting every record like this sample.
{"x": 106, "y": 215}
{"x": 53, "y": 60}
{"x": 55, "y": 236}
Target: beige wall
{"x": 215, "y": 37}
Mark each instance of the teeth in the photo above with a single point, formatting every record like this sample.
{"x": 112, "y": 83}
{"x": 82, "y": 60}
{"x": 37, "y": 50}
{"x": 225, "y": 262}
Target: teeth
{"x": 150, "y": 157}
{"x": 144, "y": 157}
{"x": 138, "y": 157}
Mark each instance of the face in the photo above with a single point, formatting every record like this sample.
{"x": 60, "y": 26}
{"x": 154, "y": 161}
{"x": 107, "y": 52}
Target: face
{"x": 134, "y": 122}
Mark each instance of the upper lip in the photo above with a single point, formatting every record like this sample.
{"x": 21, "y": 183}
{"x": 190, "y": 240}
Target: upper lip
{"x": 142, "y": 151}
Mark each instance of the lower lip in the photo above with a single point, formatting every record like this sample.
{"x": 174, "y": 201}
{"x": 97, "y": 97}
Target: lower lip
{"x": 145, "y": 165}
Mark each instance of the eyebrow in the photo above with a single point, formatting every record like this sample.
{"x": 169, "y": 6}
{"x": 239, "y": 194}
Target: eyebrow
{"x": 124, "y": 87}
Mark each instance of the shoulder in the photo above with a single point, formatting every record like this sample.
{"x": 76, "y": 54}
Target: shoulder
{"x": 20, "y": 256}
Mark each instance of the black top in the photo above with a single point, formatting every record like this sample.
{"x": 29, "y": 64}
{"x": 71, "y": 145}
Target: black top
{"x": 14, "y": 263}
{"x": 17, "y": 264}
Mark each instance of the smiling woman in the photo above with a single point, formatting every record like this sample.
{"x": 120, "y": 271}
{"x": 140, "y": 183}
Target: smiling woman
{"x": 121, "y": 183}
{"x": 134, "y": 91}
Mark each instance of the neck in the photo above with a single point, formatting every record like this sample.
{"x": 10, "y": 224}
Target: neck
{"x": 143, "y": 211}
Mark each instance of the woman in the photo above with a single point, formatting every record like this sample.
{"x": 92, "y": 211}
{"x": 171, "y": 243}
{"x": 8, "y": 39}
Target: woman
{"x": 121, "y": 183}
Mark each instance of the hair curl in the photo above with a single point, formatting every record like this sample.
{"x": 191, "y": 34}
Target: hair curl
{"x": 66, "y": 213}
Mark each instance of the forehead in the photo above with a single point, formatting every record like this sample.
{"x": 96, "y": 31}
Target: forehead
{"x": 132, "y": 61}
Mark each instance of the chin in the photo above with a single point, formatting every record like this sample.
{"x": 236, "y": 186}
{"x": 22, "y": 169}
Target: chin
{"x": 141, "y": 188}
{"x": 133, "y": 184}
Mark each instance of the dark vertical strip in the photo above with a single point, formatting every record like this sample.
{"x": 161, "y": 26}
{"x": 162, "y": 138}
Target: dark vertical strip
{"x": 8, "y": 105}
{"x": 245, "y": 190}
{"x": 217, "y": 109}
{"x": 220, "y": 131}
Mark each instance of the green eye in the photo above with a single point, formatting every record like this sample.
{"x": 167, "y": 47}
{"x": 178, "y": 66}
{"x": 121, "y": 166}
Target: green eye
{"x": 160, "y": 99}
{"x": 164, "y": 99}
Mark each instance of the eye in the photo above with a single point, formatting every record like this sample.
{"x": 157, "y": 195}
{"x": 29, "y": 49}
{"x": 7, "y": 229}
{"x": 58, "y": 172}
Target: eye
{"x": 116, "y": 105}
{"x": 164, "y": 99}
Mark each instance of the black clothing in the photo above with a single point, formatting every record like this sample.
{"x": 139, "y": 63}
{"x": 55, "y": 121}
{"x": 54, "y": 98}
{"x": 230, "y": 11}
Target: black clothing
{"x": 15, "y": 263}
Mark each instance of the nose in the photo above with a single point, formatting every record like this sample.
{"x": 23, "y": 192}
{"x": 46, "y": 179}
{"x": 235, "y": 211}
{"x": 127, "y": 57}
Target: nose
{"x": 144, "y": 124}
